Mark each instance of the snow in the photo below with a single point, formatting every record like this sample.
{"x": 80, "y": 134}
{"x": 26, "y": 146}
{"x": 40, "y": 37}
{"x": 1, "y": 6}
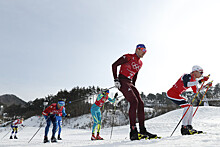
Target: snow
{"x": 206, "y": 119}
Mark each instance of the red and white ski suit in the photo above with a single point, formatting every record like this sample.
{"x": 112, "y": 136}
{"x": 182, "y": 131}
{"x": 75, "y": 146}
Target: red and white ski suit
{"x": 186, "y": 81}
{"x": 178, "y": 88}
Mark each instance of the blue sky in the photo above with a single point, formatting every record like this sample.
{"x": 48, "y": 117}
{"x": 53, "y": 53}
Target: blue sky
{"x": 48, "y": 45}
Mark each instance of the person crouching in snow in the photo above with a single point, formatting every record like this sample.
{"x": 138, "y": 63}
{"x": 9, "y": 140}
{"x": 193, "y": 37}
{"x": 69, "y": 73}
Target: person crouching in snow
{"x": 14, "y": 127}
{"x": 186, "y": 81}
{"x": 96, "y": 113}
{"x": 50, "y": 115}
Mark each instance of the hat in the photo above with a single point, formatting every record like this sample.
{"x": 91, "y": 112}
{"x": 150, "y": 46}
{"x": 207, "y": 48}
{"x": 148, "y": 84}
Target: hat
{"x": 106, "y": 91}
{"x": 61, "y": 103}
{"x": 197, "y": 68}
{"x": 140, "y": 46}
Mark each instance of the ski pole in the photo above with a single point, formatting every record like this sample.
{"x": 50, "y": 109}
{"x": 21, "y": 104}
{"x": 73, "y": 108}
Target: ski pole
{"x": 113, "y": 121}
{"x": 41, "y": 124}
{"x": 186, "y": 111}
{"x": 6, "y": 134}
{"x": 202, "y": 98}
{"x": 199, "y": 90}
{"x": 116, "y": 94}
{"x": 180, "y": 121}
{"x": 111, "y": 87}
{"x": 87, "y": 97}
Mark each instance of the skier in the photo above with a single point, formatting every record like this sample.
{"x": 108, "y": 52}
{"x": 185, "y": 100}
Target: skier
{"x": 14, "y": 127}
{"x": 125, "y": 82}
{"x": 59, "y": 121}
{"x": 186, "y": 81}
{"x": 96, "y": 113}
{"x": 50, "y": 114}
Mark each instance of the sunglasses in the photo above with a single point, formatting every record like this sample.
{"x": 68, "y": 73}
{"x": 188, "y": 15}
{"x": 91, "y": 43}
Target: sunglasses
{"x": 201, "y": 72}
{"x": 143, "y": 49}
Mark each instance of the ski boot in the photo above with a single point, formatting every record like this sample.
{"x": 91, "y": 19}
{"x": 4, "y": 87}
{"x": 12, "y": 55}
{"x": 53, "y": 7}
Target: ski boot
{"x": 15, "y": 137}
{"x": 93, "y": 137}
{"x": 185, "y": 130}
{"x": 147, "y": 135}
{"x": 98, "y": 137}
{"x": 134, "y": 133}
{"x": 193, "y": 131}
{"x": 53, "y": 139}
{"x": 46, "y": 139}
{"x": 59, "y": 138}
{"x": 10, "y": 137}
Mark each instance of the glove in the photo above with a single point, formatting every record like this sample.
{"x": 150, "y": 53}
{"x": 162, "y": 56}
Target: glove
{"x": 52, "y": 116}
{"x": 209, "y": 84}
{"x": 117, "y": 83}
{"x": 68, "y": 115}
{"x": 116, "y": 95}
{"x": 204, "y": 79}
{"x": 22, "y": 125}
{"x": 46, "y": 116}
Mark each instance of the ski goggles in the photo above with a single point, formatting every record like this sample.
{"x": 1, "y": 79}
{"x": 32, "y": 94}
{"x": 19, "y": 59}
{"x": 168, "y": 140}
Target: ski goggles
{"x": 143, "y": 49}
{"x": 61, "y": 103}
{"x": 106, "y": 92}
{"x": 200, "y": 71}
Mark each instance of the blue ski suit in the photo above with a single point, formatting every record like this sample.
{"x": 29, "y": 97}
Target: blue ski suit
{"x": 59, "y": 119}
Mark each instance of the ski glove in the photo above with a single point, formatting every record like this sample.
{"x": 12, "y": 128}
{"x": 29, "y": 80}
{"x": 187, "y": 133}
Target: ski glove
{"x": 204, "y": 79}
{"x": 209, "y": 84}
{"x": 117, "y": 83}
{"x": 45, "y": 117}
{"x": 116, "y": 95}
{"x": 68, "y": 115}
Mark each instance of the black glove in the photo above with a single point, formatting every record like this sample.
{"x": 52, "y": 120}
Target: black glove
{"x": 116, "y": 95}
{"x": 117, "y": 83}
{"x": 22, "y": 125}
{"x": 52, "y": 116}
{"x": 67, "y": 116}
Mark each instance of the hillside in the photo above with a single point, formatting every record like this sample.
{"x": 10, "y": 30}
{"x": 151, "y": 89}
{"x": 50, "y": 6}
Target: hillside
{"x": 10, "y": 99}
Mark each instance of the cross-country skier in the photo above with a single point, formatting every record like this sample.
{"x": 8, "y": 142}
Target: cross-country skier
{"x": 125, "y": 82}
{"x": 14, "y": 127}
{"x": 96, "y": 113}
{"x": 59, "y": 121}
{"x": 186, "y": 81}
{"x": 50, "y": 114}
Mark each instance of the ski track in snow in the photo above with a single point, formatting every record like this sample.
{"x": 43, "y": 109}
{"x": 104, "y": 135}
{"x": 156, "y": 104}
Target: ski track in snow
{"x": 206, "y": 119}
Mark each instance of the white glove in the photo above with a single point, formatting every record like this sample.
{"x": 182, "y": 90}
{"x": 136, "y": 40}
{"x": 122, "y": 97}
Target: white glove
{"x": 117, "y": 83}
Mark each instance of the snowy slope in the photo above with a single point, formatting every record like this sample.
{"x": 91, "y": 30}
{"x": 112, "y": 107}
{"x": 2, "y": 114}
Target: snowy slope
{"x": 206, "y": 119}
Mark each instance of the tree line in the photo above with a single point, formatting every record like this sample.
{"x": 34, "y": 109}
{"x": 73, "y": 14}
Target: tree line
{"x": 80, "y": 99}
